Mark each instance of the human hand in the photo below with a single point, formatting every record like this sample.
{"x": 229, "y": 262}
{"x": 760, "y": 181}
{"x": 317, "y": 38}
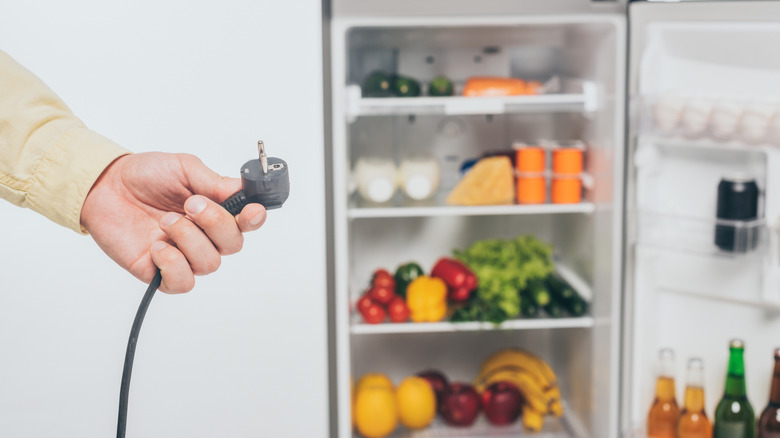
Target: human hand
{"x": 136, "y": 212}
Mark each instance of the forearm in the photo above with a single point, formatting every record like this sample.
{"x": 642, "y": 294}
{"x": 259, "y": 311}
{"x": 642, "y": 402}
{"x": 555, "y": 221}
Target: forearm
{"x": 48, "y": 159}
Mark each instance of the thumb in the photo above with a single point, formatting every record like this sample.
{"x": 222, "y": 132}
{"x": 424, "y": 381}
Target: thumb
{"x": 206, "y": 182}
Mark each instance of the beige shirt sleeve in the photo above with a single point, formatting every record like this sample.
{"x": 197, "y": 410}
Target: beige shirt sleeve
{"x": 48, "y": 159}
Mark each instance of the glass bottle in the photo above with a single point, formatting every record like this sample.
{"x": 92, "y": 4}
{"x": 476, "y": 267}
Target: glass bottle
{"x": 734, "y": 416}
{"x": 662, "y": 418}
{"x": 769, "y": 422}
{"x": 693, "y": 421}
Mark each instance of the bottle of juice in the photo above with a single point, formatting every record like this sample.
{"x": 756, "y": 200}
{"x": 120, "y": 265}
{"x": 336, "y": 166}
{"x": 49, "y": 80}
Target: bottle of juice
{"x": 734, "y": 417}
{"x": 662, "y": 418}
{"x": 693, "y": 421}
{"x": 769, "y": 422}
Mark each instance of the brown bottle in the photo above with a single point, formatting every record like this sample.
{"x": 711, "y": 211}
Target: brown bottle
{"x": 769, "y": 422}
{"x": 662, "y": 418}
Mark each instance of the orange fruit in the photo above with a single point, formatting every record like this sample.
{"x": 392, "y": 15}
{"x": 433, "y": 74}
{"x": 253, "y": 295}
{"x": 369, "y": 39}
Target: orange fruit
{"x": 416, "y": 402}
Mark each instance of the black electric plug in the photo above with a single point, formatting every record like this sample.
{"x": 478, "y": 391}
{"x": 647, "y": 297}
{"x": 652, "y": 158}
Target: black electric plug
{"x": 265, "y": 181}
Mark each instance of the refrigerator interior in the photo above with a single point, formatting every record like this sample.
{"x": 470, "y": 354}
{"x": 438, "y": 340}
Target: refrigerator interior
{"x": 581, "y": 59}
{"x": 706, "y": 105}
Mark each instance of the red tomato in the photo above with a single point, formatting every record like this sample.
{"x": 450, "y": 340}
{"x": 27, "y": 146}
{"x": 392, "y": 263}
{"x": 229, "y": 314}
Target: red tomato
{"x": 398, "y": 310}
{"x": 381, "y": 294}
{"x": 374, "y": 314}
{"x": 363, "y": 303}
{"x": 383, "y": 278}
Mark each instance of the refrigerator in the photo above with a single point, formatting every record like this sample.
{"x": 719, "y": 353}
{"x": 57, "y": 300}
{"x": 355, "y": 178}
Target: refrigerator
{"x": 666, "y": 98}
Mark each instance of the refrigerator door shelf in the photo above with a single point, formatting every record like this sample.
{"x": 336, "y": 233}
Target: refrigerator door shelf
{"x": 360, "y": 210}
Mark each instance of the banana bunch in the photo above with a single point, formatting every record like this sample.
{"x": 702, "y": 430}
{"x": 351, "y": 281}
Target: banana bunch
{"x": 533, "y": 376}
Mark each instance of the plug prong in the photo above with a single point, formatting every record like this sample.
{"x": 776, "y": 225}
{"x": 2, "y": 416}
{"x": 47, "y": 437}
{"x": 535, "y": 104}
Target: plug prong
{"x": 263, "y": 156}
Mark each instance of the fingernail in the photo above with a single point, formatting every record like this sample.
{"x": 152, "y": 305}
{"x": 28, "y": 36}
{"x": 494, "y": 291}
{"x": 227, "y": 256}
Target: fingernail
{"x": 169, "y": 219}
{"x": 195, "y": 205}
{"x": 158, "y": 246}
{"x": 257, "y": 219}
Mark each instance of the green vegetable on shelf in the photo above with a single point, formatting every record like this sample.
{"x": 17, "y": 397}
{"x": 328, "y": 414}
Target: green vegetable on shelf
{"x": 566, "y": 296}
{"x": 528, "y": 308}
{"x": 404, "y": 275}
{"x": 377, "y": 84}
{"x": 538, "y": 292}
{"x": 503, "y": 268}
{"x": 405, "y": 86}
{"x": 440, "y": 86}
{"x": 554, "y": 309}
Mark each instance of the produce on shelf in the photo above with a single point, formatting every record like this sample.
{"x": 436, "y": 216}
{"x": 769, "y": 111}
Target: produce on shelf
{"x": 416, "y": 402}
{"x": 566, "y": 295}
{"x": 380, "y": 299}
{"x": 404, "y": 86}
{"x": 503, "y": 268}
{"x": 460, "y": 281}
{"x": 489, "y": 182}
{"x": 441, "y": 86}
{"x": 499, "y": 86}
{"x": 533, "y": 377}
{"x": 427, "y": 299}
{"x": 374, "y": 379}
{"x": 397, "y": 310}
{"x": 438, "y": 381}
{"x": 460, "y": 404}
{"x": 376, "y": 413}
{"x": 502, "y": 403}
{"x": 377, "y": 84}
{"x": 404, "y": 275}
{"x": 554, "y": 309}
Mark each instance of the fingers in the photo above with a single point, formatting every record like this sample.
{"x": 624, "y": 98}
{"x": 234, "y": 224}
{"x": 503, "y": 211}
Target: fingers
{"x": 205, "y": 181}
{"x": 196, "y": 247}
{"x": 251, "y": 217}
{"x": 216, "y": 222}
{"x": 177, "y": 277}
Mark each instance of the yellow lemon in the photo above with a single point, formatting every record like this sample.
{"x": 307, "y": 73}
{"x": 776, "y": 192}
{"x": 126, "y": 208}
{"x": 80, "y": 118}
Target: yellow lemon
{"x": 374, "y": 379}
{"x": 416, "y": 402}
{"x": 376, "y": 414}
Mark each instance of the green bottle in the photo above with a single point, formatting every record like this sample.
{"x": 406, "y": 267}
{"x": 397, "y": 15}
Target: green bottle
{"x": 734, "y": 417}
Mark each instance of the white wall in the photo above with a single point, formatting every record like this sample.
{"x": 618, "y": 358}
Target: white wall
{"x": 245, "y": 353}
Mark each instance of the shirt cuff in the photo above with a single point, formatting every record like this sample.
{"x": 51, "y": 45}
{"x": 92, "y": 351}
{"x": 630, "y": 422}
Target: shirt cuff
{"x": 66, "y": 174}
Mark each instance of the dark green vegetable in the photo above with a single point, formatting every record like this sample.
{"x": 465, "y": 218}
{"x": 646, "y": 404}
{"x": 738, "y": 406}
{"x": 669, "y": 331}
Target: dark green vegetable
{"x": 476, "y": 310}
{"x": 377, "y": 84}
{"x": 405, "y": 87}
{"x": 503, "y": 268}
{"x": 538, "y": 292}
{"x": 440, "y": 86}
{"x": 404, "y": 275}
{"x": 554, "y": 309}
{"x": 528, "y": 308}
{"x": 576, "y": 306}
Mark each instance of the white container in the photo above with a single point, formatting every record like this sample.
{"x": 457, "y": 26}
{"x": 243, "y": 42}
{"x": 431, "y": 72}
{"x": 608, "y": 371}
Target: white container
{"x": 420, "y": 177}
{"x": 376, "y": 179}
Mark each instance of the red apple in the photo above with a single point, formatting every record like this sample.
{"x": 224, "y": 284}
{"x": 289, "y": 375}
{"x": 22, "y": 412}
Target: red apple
{"x": 439, "y": 383}
{"x": 502, "y": 403}
{"x": 460, "y": 405}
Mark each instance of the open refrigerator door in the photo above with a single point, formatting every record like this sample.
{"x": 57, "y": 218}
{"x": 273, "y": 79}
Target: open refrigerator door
{"x": 403, "y": 141}
{"x": 704, "y": 131}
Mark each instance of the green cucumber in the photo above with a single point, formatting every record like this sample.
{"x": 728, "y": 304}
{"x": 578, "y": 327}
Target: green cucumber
{"x": 538, "y": 293}
{"x": 576, "y": 306}
{"x": 440, "y": 86}
{"x": 528, "y": 308}
{"x": 405, "y": 87}
{"x": 554, "y": 309}
{"x": 377, "y": 84}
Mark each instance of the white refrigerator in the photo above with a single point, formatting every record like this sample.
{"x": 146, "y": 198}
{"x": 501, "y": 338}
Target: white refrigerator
{"x": 669, "y": 98}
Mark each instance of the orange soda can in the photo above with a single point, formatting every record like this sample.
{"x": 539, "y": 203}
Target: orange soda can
{"x": 531, "y": 190}
{"x": 566, "y": 190}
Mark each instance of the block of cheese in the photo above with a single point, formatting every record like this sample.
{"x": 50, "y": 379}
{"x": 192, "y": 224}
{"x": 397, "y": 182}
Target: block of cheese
{"x": 489, "y": 182}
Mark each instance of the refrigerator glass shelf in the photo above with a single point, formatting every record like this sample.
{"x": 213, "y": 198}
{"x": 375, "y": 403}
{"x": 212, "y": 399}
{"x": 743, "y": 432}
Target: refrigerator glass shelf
{"x": 360, "y": 328}
{"x": 460, "y": 105}
{"x": 553, "y": 428}
{"x": 484, "y": 210}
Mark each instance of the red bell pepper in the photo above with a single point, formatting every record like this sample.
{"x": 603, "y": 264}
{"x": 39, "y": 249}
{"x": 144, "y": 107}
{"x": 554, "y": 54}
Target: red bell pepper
{"x": 461, "y": 282}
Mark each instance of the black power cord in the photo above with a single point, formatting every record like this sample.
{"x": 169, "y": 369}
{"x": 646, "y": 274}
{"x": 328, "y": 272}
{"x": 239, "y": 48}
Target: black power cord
{"x": 265, "y": 181}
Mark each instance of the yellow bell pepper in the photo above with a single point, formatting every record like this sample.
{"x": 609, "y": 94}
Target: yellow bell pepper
{"x": 427, "y": 299}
